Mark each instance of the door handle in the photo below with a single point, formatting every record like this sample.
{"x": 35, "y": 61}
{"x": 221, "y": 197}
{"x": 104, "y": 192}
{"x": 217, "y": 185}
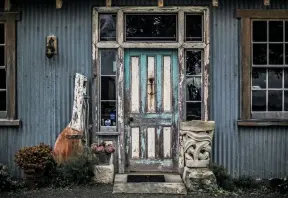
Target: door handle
{"x": 130, "y": 119}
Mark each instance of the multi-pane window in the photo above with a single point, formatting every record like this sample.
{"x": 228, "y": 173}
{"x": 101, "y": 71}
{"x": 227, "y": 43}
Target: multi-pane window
{"x": 193, "y": 84}
{"x": 269, "y": 66}
{"x": 108, "y": 88}
{"x": 3, "y": 89}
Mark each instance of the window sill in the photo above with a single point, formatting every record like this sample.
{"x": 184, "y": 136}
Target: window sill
{"x": 262, "y": 123}
{"x": 10, "y": 123}
{"x": 107, "y": 133}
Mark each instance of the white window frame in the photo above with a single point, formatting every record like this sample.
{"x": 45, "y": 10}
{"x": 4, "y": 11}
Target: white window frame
{"x": 181, "y": 45}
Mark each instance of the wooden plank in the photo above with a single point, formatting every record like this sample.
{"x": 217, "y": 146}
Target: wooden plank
{"x": 135, "y": 143}
{"x": 7, "y": 5}
{"x": 121, "y": 124}
{"x": 13, "y": 16}
{"x": 10, "y": 37}
{"x": 267, "y": 2}
{"x": 262, "y": 123}
{"x": 215, "y": 3}
{"x": 160, "y": 3}
{"x": 246, "y": 68}
{"x": 151, "y": 142}
{"x": 167, "y": 142}
{"x": 108, "y": 3}
{"x": 135, "y": 85}
{"x": 167, "y": 102}
{"x": 8, "y": 123}
{"x": 59, "y": 4}
{"x": 262, "y": 14}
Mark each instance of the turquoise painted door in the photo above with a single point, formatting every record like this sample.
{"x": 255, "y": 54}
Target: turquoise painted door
{"x": 151, "y": 109}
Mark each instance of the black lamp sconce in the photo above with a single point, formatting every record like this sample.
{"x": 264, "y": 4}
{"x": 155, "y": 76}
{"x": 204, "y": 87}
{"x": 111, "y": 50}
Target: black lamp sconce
{"x": 51, "y": 46}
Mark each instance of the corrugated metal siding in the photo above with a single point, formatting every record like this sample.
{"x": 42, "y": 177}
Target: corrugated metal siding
{"x": 45, "y": 87}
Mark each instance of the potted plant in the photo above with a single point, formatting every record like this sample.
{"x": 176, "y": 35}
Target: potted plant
{"x": 102, "y": 152}
{"x": 33, "y": 161}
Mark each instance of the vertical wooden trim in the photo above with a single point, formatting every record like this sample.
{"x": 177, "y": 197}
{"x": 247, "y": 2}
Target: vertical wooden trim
{"x": 120, "y": 27}
{"x": 160, "y": 3}
{"x": 59, "y": 4}
{"x": 108, "y": 3}
{"x": 7, "y": 5}
{"x": 181, "y": 27}
{"x": 267, "y": 2}
{"x": 120, "y": 98}
{"x": 246, "y": 69}
{"x": 10, "y": 37}
{"x": 215, "y": 3}
{"x": 95, "y": 66}
{"x": 181, "y": 85}
{"x": 205, "y": 111}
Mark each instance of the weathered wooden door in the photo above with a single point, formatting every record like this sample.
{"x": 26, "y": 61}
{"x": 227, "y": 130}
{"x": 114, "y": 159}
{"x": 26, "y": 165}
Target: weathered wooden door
{"x": 151, "y": 109}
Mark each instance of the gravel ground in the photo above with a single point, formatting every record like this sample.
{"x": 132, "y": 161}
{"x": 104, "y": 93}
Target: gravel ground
{"x": 105, "y": 191}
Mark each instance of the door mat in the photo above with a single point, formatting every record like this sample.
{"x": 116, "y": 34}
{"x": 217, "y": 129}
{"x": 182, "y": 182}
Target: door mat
{"x": 145, "y": 178}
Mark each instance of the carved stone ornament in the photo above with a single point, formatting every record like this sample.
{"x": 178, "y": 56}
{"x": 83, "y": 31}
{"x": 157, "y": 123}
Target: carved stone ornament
{"x": 195, "y": 154}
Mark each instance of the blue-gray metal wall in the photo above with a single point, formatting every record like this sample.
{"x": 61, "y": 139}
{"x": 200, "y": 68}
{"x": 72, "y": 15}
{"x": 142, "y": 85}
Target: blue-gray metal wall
{"x": 45, "y": 87}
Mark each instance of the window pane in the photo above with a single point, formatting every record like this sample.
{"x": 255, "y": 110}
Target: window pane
{"x": 258, "y": 100}
{"x": 259, "y": 31}
{"x": 286, "y": 31}
{"x": 108, "y": 88}
{"x": 259, "y": 54}
{"x": 285, "y": 100}
{"x": 276, "y": 54}
{"x": 2, "y": 34}
{"x": 2, "y": 79}
{"x": 275, "y": 100}
{"x": 259, "y": 78}
{"x": 2, "y": 101}
{"x": 286, "y": 78}
{"x": 193, "y": 62}
{"x": 193, "y": 111}
{"x": 276, "y": 31}
{"x": 108, "y": 113}
{"x": 107, "y": 27}
{"x": 2, "y": 55}
{"x": 194, "y": 27}
{"x": 108, "y": 62}
{"x": 193, "y": 89}
{"x": 151, "y": 27}
{"x": 275, "y": 78}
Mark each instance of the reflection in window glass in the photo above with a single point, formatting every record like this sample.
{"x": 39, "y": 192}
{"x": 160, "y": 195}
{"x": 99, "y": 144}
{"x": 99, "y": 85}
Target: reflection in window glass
{"x": 259, "y": 31}
{"x": 2, "y": 34}
{"x": 276, "y": 31}
{"x": 108, "y": 88}
{"x": 259, "y": 54}
{"x": 2, "y": 78}
{"x": 194, "y": 28}
{"x": 107, "y": 27}
{"x": 275, "y": 100}
{"x": 258, "y": 100}
{"x": 108, "y": 62}
{"x": 2, "y": 100}
{"x": 285, "y": 100}
{"x": 276, "y": 54}
{"x": 259, "y": 78}
{"x": 275, "y": 79}
{"x": 148, "y": 27}
{"x": 193, "y": 85}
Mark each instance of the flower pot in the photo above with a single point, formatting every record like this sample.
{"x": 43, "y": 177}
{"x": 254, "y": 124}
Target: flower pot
{"x": 33, "y": 179}
{"x": 103, "y": 158}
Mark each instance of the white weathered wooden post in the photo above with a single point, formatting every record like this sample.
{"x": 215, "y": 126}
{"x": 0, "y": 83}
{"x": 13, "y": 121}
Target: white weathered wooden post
{"x": 196, "y": 146}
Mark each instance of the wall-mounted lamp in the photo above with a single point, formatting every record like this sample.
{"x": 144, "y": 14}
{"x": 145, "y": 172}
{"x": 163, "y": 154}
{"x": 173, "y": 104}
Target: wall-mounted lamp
{"x": 51, "y": 46}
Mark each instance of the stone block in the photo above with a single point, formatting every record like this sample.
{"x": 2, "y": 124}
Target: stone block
{"x": 199, "y": 178}
{"x": 104, "y": 173}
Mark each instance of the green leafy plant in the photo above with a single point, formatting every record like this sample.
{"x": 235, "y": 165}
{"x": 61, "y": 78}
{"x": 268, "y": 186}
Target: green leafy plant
{"x": 224, "y": 180}
{"x": 6, "y": 181}
{"x": 246, "y": 182}
{"x": 34, "y": 159}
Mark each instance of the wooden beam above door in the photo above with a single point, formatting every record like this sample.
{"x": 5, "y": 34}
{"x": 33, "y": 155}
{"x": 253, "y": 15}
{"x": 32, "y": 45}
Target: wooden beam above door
{"x": 215, "y": 3}
{"x": 7, "y": 5}
{"x": 59, "y": 4}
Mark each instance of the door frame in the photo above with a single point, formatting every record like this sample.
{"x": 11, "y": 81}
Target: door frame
{"x": 181, "y": 45}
